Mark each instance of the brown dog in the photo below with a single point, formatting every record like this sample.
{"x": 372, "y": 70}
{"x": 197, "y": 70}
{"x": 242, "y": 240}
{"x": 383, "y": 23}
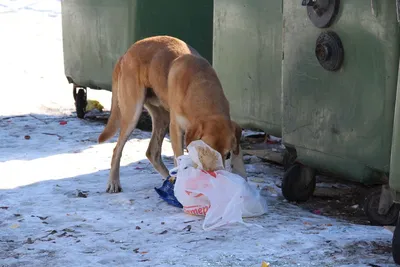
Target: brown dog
{"x": 181, "y": 90}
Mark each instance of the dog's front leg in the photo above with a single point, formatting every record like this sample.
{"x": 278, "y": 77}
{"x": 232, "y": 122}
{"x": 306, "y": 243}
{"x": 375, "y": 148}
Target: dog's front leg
{"x": 176, "y": 135}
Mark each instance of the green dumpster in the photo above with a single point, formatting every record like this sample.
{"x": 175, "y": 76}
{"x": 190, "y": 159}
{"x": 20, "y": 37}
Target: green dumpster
{"x": 339, "y": 80}
{"x": 247, "y": 55}
{"x": 97, "y": 32}
{"x": 394, "y": 180}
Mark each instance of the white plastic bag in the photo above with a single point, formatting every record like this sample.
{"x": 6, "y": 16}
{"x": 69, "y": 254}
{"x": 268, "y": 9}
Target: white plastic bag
{"x": 221, "y": 196}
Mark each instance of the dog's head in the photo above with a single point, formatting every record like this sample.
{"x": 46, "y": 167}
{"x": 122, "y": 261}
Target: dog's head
{"x": 218, "y": 132}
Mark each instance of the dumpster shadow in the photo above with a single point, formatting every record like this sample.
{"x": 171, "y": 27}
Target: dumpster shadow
{"x": 78, "y": 203}
{"x": 32, "y": 136}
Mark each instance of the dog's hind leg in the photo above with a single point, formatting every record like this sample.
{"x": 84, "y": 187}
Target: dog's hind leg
{"x": 131, "y": 101}
{"x": 160, "y": 122}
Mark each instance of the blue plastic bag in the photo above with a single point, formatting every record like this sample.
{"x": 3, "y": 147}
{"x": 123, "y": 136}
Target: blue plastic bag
{"x": 166, "y": 193}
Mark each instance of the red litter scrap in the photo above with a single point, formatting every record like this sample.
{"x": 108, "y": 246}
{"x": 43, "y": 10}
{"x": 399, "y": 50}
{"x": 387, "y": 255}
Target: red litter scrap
{"x": 63, "y": 122}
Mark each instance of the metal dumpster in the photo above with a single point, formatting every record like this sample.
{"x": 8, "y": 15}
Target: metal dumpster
{"x": 339, "y": 79}
{"x": 97, "y": 32}
{"x": 247, "y": 55}
{"x": 394, "y": 180}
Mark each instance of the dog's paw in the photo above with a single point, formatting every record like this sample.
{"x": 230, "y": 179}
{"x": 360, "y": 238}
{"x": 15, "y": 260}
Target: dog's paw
{"x": 114, "y": 187}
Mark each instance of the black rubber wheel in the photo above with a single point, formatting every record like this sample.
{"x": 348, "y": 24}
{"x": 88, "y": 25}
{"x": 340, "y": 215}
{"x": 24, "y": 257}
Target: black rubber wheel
{"x": 371, "y": 206}
{"x": 298, "y": 183}
{"x": 81, "y": 103}
{"x": 396, "y": 243}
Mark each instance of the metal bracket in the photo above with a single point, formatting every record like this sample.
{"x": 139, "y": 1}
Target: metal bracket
{"x": 398, "y": 10}
{"x": 386, "y": 200}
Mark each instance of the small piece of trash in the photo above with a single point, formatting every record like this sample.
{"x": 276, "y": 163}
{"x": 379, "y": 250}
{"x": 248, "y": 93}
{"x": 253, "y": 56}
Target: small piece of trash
{"x": 42, "y": 218}
{"x": 82, "y": 194}
{"x": 355, "y": 206}
{"x": 265, "y": 264}
{"x": 63, "y": 122}
{"x": 27, "y": 137}
{"x": 4, "y": 208}
{"x": 14, "y": 226}
{"x": 318, "y": 212}
{"x": 163, "y": 232}
{"x": 138, "y": 228}
{"x": 136, "y": 250}
{"x": 187, "y": 228}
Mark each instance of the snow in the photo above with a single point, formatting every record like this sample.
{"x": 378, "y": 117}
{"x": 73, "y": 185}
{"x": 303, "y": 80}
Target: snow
{"x": 54, "y": 209}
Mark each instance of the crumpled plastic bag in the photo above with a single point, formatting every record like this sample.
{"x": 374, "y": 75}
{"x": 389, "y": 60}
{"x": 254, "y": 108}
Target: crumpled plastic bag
{"x": 221, "y": 196}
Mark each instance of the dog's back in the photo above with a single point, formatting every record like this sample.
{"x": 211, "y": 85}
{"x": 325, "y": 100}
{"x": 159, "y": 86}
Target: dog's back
{"x": 194, "y": 89}
{"x": 150, "y": 59}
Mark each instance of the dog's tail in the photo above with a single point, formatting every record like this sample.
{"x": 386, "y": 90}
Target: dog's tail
{"x": 113, "y": 121}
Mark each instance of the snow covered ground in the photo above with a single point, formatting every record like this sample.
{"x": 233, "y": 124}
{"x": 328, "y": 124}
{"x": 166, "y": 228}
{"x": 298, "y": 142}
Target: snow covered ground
{"x": 53, "y": 207}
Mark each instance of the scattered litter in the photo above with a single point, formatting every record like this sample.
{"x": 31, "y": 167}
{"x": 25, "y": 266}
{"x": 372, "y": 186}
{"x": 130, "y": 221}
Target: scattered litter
{"x": 27, "y": 137}
{"x": 63, "y": 122}
{"x": 318, "y": 212}
{"x": 138, "y": 228}
{"x": 14, "y": 226}
{"x": 4, "y": 208}
{"x": 94, "y": 104}
{"x": 187, "y": 228}
{"x": 82, "y": 194}
{"x": 166, "y": 192}
{"x": 205, "y": 188}
{"x": 265, "y": 264}
{"x": 163, "y": 232}
{"x": 355, "y": 206}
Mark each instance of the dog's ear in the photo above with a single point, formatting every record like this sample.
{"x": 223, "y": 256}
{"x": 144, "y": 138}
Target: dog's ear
{"x": 238, "y": 135}
{"x": 194, "y": 132}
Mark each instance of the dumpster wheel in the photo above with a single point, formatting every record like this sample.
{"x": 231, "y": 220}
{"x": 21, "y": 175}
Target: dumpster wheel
{"x": 396, "y": 243}
{"x": 298, "y": 183}
{"x": 80, "y": 97}
{"x": 371, "y": 206}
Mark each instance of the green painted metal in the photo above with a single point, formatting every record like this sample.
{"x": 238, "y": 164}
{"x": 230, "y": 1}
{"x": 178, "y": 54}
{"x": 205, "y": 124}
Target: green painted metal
{"x": 394, "y": 181}
{"x": 247, "y": 55}
{"x": 97, "y": 32}
{"x": 342, "y": 121}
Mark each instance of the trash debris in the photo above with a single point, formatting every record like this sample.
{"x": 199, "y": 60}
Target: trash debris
{"x": 14, "y": 226}
{"x": 166, "y": 192}
{"x": 82, "y": 194}
{"x": 265, "y": 264}
{"x": 94, "y": 104}
{"x": 27, "y": 137}
{"x": 63, "y": 122}
{"x": 205, "y": 188}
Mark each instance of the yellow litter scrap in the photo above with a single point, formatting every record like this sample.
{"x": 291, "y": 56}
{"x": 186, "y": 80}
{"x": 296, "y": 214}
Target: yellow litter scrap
{"x": 265, "y": 264}
{"x": 92, "y": 104}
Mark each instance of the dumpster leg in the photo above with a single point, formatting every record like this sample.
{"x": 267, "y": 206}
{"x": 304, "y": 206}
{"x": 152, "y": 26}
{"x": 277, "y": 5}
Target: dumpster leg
{"x": 289, "y": 157}
{"x": 298, "y": 183}
{"x": 380, "y": 208}
{"x": 80, "y": 97}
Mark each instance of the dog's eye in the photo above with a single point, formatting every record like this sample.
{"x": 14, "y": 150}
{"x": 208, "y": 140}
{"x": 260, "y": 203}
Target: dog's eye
{"x": 228, "y": 156}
